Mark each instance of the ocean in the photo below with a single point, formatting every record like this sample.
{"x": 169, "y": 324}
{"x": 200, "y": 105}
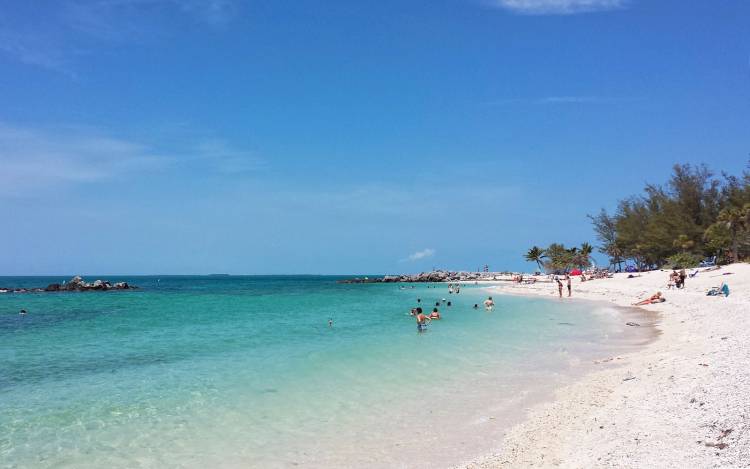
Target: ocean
{"x": 244, "y": 371}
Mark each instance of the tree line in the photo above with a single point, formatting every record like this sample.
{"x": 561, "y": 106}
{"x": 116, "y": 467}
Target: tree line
{"x": 695, "y": 215}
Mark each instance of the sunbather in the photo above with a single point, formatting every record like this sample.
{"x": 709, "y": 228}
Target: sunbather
{"x": 655, "y": 298}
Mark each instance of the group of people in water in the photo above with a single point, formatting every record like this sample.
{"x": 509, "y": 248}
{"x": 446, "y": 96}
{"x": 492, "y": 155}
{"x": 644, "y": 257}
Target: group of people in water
{"x": 424, "y": 319}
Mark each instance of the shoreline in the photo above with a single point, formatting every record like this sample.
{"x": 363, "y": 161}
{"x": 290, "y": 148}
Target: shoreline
{"x": 678, "y": 401}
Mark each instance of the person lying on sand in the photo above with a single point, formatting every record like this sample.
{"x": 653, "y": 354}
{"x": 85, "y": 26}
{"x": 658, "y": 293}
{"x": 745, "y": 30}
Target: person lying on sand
{"x": 655, "y": 298}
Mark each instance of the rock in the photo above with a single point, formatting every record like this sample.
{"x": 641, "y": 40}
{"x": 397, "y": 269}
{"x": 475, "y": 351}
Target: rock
{"x": 635, "y": 324}
{"x": 76, "y": 284}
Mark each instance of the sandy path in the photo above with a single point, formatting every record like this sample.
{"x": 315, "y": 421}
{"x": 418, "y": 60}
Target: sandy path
{"x": 681, "y": 402}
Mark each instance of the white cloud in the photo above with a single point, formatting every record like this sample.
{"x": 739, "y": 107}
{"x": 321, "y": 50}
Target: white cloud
{"x": 423, "y": 254}
{"x": 557, "y": 7}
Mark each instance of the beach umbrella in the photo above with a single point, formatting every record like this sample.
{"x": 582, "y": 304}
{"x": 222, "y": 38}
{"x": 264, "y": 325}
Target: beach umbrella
{"x": 575, "y": 272}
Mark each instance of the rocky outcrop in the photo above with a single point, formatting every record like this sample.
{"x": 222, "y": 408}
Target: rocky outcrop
{"x": 435, "y": 276}
{"x": 76, "y": 284}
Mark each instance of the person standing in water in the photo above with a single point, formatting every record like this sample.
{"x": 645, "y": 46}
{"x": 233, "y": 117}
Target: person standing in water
{"x": 489, "y": 303}
{"x": 570, "y": 285}
{"x": 330, "y": 322}
{"x": 421, "y": 321}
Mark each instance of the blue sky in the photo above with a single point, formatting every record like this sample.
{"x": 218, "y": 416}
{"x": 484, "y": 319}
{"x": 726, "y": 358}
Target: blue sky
{"x": 197, "y": 136}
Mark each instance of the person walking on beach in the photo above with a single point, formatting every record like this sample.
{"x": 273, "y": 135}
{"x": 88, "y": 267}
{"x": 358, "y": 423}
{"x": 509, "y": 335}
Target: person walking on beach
{"x": 570, "y": 285}
{"x": 559, "y": 287}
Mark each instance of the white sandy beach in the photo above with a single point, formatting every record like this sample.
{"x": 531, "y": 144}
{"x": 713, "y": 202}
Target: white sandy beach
{"x": 683, "y": 401}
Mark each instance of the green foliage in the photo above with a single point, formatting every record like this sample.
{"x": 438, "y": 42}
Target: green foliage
{"x": 683, "y": 260}
{"x": 694, "y": 214}
{"x": 536, "y": 254}
{"x": 557, "y": 258}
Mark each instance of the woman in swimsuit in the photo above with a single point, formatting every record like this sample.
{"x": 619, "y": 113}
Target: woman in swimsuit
{"x": 655, "y": 298}
{"x": 435, "y": 314}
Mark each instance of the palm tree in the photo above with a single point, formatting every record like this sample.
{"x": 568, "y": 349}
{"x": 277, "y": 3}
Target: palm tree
{"x": 536, "y": 254}
{"x": 585, "y": 254}
{"x": 735, "y": 220}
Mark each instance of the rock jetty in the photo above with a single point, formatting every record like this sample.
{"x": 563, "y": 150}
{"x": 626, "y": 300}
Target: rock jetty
{"x": 435, "y": 276}
{"x": 76, "y": 284}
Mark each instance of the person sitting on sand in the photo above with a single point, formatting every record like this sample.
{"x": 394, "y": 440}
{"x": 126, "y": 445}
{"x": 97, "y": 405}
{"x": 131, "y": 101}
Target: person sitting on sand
{"x": 489, "y": 303}
{"x": 718, "y": 291}
{"x": 655, "y": 298}
{"x": 421, "y": 321}
{"x": 672, "y": 281}
{"x": 435, "y": 314}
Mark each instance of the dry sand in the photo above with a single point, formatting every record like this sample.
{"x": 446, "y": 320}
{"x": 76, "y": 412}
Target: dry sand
{"x": 683, "y": 401}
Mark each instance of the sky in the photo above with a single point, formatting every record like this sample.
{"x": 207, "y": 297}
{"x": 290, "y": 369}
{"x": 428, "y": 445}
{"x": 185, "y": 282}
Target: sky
{"x": 338, "y": 137}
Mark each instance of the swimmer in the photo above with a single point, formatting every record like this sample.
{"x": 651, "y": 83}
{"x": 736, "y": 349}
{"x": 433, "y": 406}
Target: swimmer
{"x": 421, "y": 321}
{"x": 435, "y": 314}
{"x": 476, "y": 306}
{"x": 419, "y": 300}
{"x": 449, "y": 303}
{"x": 23, "y": 312}
{"x": 437, "y": 303}
{"x": 330, "y": 322}
{"x": 443, "y": 300}
{"x": 489, "y": 303}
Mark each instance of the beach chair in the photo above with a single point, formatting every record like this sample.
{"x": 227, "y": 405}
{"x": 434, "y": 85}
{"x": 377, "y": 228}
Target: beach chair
{"x": 708, "y": 262}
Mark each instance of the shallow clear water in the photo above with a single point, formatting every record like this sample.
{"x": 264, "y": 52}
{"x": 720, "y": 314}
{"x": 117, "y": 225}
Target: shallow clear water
{"x": 245, "y": 372}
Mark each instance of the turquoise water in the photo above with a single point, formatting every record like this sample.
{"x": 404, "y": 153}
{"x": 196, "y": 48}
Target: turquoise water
{"x": 246, "y": 372}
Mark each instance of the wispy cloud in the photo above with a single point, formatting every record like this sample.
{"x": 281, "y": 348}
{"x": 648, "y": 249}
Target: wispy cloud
{"x": 225, "y": 158}
{"x": 553, "y": 100}
{"x": 65, "y": 30}
{"x": 38, "y": 158}
{"x": 423, "y": 254}
{"x": 557, "y": 7}
{"x": 34, "y": 159}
